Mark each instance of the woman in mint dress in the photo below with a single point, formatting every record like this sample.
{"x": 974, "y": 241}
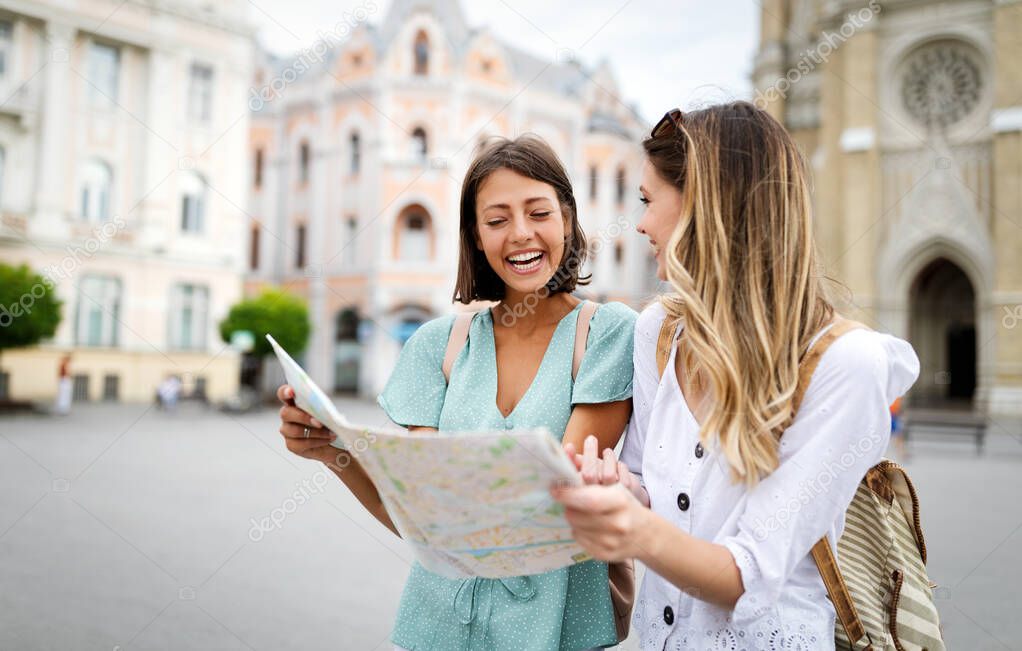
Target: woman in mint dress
{"x": 521, "y": 245}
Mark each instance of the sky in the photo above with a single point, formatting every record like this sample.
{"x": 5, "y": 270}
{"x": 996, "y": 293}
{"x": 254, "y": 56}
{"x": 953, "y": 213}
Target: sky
{"x": 663, "y": 53}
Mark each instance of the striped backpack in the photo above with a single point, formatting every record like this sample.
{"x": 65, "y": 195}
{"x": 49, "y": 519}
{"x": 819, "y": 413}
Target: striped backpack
{"x": 878, "y": 584}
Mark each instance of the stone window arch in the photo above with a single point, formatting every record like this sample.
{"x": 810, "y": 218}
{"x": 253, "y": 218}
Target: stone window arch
{"x": 420, "y": 53}
{"x": 354, "y": 153}
{"x": 96, "y": 191}
{"x": 193, "y": 202}
{"x": 420, "y": 145}
{"x": 414, "y": 239}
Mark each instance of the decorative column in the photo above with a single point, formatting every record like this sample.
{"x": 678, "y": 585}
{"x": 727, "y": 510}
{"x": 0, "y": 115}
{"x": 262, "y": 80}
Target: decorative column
{"x": 319, "y": 361}
{"x": 55, "y": 170}
{"x": 1003, "y": 376}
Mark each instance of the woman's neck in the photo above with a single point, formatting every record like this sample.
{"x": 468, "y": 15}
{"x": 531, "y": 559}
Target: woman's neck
{"x": 527, "y": 311}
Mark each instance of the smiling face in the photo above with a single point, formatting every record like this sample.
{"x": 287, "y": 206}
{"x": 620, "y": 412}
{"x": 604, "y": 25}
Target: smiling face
{"x": 663, "y": 212}
{"x": 520, "y": 229}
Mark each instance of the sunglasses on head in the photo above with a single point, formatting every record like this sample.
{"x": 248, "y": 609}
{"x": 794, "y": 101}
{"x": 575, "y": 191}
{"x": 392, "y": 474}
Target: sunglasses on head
{"x": 668, "y": 125}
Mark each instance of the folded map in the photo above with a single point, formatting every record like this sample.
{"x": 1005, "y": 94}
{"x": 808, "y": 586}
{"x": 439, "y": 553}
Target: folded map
{"x": 469, "y": 503}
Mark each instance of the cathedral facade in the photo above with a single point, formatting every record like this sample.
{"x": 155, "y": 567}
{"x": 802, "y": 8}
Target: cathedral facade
{"x": 911, "y": 115}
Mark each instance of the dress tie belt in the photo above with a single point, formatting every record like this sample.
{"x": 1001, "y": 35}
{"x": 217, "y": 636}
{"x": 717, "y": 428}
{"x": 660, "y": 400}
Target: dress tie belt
{"x": 520, "y": 587}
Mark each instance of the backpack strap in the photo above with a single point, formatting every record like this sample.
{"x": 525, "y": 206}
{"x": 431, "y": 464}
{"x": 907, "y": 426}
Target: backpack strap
{"x": 585, "y": 315}
{"x": 621, "y": 575}
{"x": 456, "y": 341}
{"x": 463, "y": 321}
{"x": 811, "y": 359}
{"x": 837, "y": 590}
{"x": 822, "y": 553}
{"x": 664, "y": 343}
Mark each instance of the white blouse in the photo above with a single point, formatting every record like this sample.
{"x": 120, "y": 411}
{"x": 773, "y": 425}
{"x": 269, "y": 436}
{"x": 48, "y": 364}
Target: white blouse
{"x": 840, "y": 431}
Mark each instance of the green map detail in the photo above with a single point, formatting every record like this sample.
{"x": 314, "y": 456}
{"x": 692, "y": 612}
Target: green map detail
{"x": 502, "y": 447}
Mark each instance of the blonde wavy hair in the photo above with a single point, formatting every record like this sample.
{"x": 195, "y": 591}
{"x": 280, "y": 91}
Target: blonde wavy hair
{"x": 742, "y": 264}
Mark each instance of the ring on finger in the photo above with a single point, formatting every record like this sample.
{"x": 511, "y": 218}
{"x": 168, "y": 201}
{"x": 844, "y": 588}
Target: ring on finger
{"x": 306, "y": 432}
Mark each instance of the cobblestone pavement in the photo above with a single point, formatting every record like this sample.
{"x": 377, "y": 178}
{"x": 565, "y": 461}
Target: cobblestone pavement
{"x": 125, "y": 527}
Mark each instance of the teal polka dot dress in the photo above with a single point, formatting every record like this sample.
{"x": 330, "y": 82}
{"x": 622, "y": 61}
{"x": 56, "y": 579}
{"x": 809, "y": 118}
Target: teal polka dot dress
{"x": 564, "y": 610}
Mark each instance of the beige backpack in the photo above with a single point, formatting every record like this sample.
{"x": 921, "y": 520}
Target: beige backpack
{"x": 877, "y": 583}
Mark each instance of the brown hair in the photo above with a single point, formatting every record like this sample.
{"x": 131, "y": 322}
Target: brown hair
{"x": 530, "y": 156}
{"x": 743, "y": 267}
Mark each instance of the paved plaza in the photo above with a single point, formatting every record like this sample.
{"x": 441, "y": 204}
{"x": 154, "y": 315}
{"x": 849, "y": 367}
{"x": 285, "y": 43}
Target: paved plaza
{"x": 124, "y": 527}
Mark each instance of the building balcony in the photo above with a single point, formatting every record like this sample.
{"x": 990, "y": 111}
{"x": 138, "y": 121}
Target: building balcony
{"x": 13, "y": 226}
{"x": 20, "y": 101}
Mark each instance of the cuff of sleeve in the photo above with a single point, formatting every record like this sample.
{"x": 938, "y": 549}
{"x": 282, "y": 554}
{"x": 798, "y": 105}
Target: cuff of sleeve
{"x": 755, "y": 601}
{"x": 404, "y": 419}
{"x": 583, "y": 399}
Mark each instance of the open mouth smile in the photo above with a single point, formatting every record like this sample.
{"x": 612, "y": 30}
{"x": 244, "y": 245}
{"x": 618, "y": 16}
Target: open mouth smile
{"x": 525, "y": 263}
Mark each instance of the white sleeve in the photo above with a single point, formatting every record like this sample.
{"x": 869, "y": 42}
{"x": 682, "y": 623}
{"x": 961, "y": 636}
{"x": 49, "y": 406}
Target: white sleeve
{"x": 841, "y": 430}
{"x": 645, "y": 382}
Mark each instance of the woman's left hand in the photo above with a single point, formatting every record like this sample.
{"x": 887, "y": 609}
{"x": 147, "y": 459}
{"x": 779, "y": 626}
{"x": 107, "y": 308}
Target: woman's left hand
{"x": 605, "y": 471}
{"x": 607, "y": 521}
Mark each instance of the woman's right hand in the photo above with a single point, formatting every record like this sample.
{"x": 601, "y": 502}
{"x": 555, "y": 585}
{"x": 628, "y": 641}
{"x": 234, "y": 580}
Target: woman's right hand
{"x": 294, "y": 423}
{"x": 605, "y": 471}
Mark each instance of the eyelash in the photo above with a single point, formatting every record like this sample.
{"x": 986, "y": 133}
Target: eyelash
{"x": 644, "y": 200}
{"x": 498, "y": 222}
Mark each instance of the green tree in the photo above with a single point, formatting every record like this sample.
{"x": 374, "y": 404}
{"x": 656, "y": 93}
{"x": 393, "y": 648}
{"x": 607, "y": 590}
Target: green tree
{"x": 29, "y": 307}
{"x": 273, "y": 312}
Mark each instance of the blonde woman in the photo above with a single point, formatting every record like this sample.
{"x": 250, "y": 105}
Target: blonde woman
{"x": 721, "y": 510}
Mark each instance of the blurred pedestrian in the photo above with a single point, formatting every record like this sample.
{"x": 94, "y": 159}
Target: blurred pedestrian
{"x": 169, "y": 391}
{"x": 898, "y": 431}
{"x": 64, "y": 387}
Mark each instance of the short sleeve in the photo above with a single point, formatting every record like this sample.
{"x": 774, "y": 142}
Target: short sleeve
{"x": 414, "y": 395}
{"x": 645, "y": 383}
{"x": 605, "y": 374}
{"x": 841, "y": 430}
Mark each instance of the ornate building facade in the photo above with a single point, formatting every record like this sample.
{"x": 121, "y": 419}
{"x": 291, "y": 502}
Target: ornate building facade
{"x": 123, "y": 131}
{"x": 358, "y": 149}
{"x": 911, "y": 114}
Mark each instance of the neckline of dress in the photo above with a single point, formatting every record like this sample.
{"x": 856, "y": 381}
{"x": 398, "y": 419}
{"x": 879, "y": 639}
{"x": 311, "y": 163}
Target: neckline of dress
{"x": 539, "y": 369}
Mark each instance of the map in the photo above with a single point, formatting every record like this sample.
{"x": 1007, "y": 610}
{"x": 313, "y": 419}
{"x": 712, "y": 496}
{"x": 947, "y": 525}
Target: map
{"x": 469, "y": 503}
{"x": 309, "y": 397}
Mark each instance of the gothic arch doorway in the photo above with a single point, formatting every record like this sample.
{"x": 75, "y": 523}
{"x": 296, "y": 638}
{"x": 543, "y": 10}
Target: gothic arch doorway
{"x": 942, "y": 328}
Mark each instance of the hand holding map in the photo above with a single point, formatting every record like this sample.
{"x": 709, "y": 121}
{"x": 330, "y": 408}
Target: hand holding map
{"x": 469, "y": 503}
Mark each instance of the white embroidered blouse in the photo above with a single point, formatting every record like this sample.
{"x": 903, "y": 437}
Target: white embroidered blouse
{"x": 840, "y": 431}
